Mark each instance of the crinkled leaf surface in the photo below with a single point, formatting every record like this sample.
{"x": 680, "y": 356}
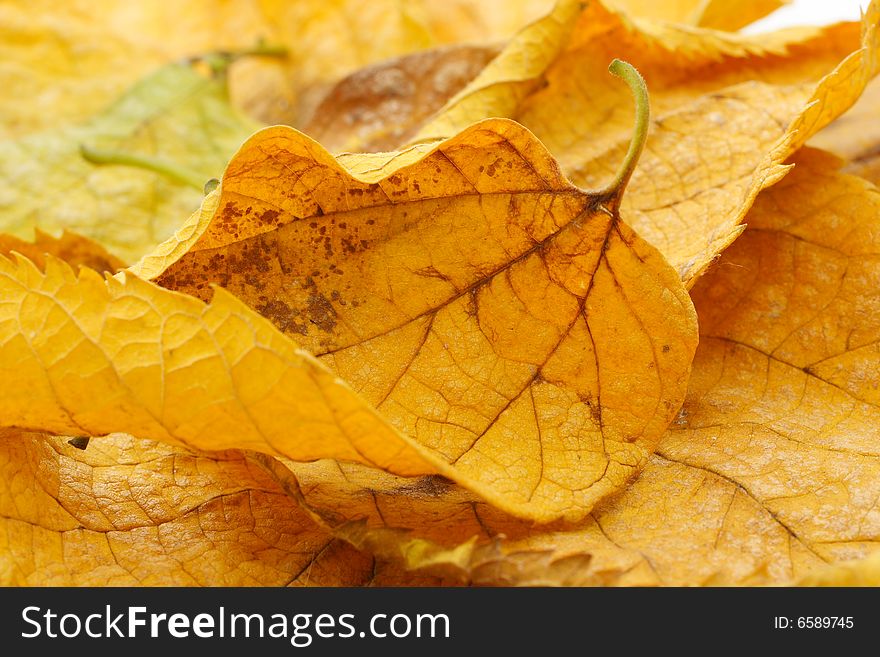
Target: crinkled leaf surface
{"x": 487, "y": 319}
{"x": 772, "y": 469}
{"x": 729, "y": 109}
{"x": 131, "y": 512}
{"x": 481, "y": 303}
{"x": 176, "y": 116}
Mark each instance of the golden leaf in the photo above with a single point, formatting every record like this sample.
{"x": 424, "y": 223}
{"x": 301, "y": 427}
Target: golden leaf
{"x": 730, "y": 109}
{"x": 131, "y": 512}
{"x": 504, "y": 339}
{"x": 856, "y": 136}
{"x": 73, "y": 249}
{"x": 859, "y": 572}
{"x": 118, "y": 43}
{"x": 175, "y": 129}
{"x": 448, "y": 363}
{"x": 473, "y": 297}
{"x": 771, "y": 470}
{"x": 716, "y": 14}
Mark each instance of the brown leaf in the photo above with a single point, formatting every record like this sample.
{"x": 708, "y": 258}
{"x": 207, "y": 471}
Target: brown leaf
{"x": 380, "y": 107}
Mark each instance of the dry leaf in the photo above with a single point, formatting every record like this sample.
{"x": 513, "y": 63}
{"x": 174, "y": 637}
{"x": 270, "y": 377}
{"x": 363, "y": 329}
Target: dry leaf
{"x": 327, "y": 40}
{"x": 473, "y": 297}
{"x": 860, "y": 572}
{"x": 856, "y": 136}
{"x": 533, "y": 337}
{"x": 380, "y": 107}
{"x": 715, "y": 14}
{"x": 130, "y": 512}
{"x": 435, "y": 347}
{"x": 74, "y": 249}
{"x": 178, "y": 123}
{"x": 772, "y": 468}
{"x": 62, "y": 64}
{"x": 729, "y": 109}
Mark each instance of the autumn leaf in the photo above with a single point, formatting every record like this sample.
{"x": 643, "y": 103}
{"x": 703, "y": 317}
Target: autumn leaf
{"x": 715, "y": 14}
{"x": 381, "y": 106}
{"x": 325, "y": 41}
{"x": 856, "y": 136}
{"x": 117, "y": 44}
{"x": 455, "y": 352}
{"x": 465, "y": 349}
{"x": 528, "y": 338}
{"x": 770, "y": 472}
{"x": 859, "y": 572}
{"x": 163, "y": 139}
{"x": 729, "y": 110}
{"x": 130, "y": 512}
{"x": 73, "y": 249}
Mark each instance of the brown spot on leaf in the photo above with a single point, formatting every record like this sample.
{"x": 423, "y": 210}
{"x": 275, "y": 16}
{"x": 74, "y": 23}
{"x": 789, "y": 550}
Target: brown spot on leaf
{"x": 270, "y": 217}
{"x": 283, "y": 316}
{"x": 321, "y": 312}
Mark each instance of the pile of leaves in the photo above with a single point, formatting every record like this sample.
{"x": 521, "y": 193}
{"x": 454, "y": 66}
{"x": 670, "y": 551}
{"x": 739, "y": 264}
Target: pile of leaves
{"x": 464, "y": 314}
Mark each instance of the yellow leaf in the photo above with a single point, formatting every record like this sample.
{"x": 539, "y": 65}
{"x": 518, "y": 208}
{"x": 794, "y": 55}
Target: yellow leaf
{"x": 512, "y": 333}
{"x": 74, "y": 249}
{"x": 730, "y": 109}
{"x": 117, "y": 43}
{"x": 130, "y": 512}
{"x": 176, "y": 125}
{"x": 772, "y": 469}
{"x": 429, "y": 531}
{"x": 859, "y": 572}
{"x": 856, "y": 136}
{"x": 716, "y": 14}
{"x": 114, "y": 44}
{"x": 474, "y": 297}
{"x": 381, "y": 107}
